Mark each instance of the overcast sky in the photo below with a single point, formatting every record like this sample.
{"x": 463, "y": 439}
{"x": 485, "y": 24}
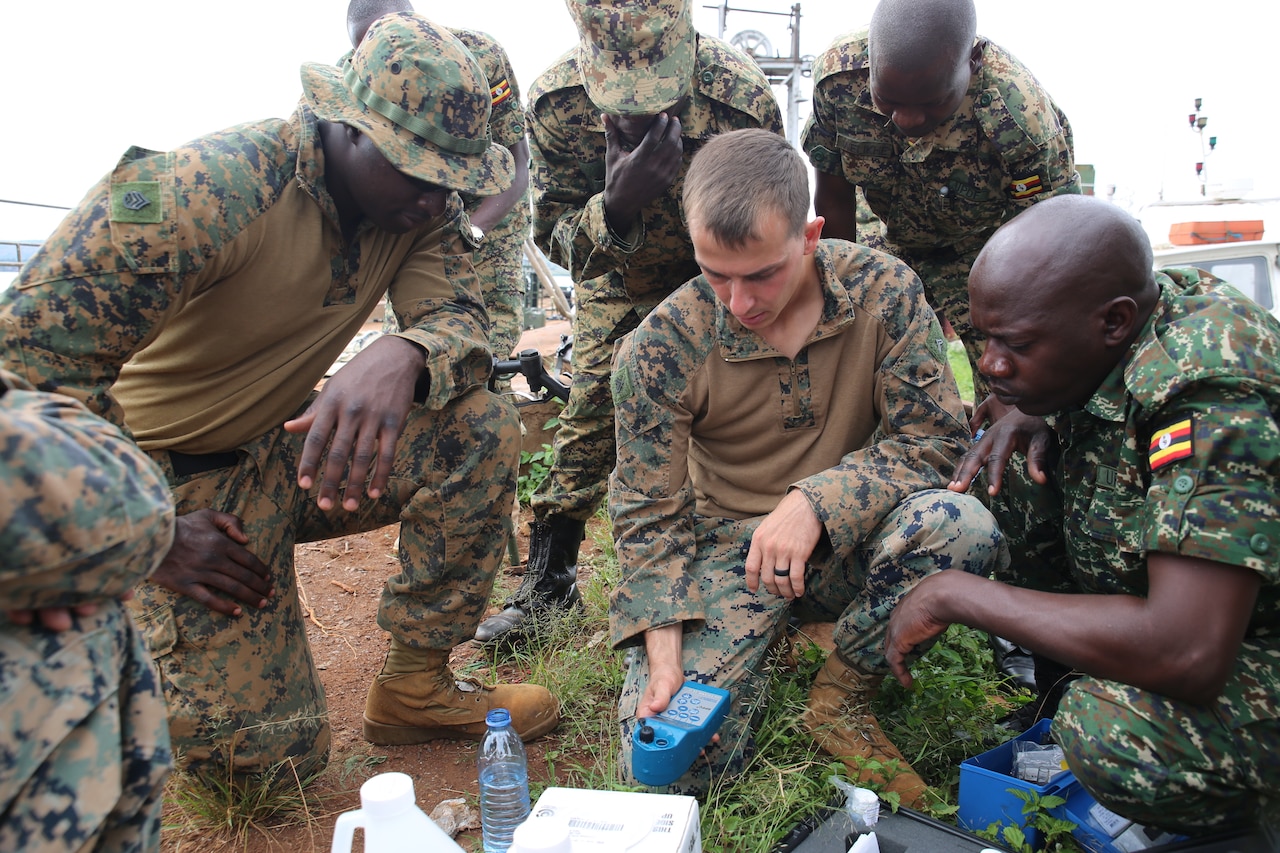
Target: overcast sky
{"x": 84, "y": 79}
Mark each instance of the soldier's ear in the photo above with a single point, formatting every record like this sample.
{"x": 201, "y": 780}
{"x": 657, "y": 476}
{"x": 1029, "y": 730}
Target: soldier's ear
{"x": 1118, "y": 319}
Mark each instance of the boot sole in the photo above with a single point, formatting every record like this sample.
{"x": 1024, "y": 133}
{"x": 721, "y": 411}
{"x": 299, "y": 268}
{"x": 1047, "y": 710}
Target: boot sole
{"x": 383, "y": 734}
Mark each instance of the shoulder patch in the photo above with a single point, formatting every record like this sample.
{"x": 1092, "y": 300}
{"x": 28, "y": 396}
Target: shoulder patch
{"x": 1170, "y": 444}
{"x": 500, "y": 92}
{"x": 1028, "y": 185}
{"x": 137, "y": 201}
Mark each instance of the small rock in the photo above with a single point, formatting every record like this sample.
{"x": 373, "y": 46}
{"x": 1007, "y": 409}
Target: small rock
{"x": 453, "y": 816}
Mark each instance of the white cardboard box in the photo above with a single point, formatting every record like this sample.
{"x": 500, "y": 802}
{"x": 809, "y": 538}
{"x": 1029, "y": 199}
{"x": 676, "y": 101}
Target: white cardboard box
{"x": 617, "y": 821}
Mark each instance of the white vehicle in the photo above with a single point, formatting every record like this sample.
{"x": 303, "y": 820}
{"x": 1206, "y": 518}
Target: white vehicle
{"x": 1251, "y": 266}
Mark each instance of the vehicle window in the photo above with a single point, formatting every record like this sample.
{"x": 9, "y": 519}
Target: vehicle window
{"x": 1248, "y": 275}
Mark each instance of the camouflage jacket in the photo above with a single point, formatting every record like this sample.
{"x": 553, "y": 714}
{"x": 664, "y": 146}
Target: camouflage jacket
{"x": 206, "y": 291}
{"x": 1178, "y": 451}
{"x": 713, "y": 422}
{"x": 84, "y": 515}
{"x": 1006, "y": 147}
{"x": 567, "y": 148}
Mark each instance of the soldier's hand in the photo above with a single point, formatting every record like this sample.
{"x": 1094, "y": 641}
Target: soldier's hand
{"x": 1013, "y": 432}
{"x": 912, "y": 624}
{"x": 635, "y": 177}
{"x": 57, "y": 618}
{"x": 209, "y": 556}
{"x": 358, "y": 417}
{"x": 781, "y": 546}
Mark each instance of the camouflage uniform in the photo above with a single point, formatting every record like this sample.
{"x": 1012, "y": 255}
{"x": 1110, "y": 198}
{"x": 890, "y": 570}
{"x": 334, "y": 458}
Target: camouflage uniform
{"x": 498, "y": 258}
{"x": 83, "y": 517}
{"x": 940, "y": 197}
{"x": 239, "y": 272}
{"x": 1209, "y": 360}
{"x": 617, "y": 279}
{"x": 715, "y": 427}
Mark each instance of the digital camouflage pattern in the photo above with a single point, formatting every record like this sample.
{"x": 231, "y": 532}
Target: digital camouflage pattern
{"x": 616, "y": 280}
{"x": 245, "y": 692}
{"x": 421, "y": 98}
{"x": 714, "y": 427}
{"x": 939, "y": 198}
{"x": 498, "y": 260}
{"x": 636, "y": 56}
{"x": 84, "y": 516}
{"x": 1211, "y": 356}
{"x": 226, "y": 206}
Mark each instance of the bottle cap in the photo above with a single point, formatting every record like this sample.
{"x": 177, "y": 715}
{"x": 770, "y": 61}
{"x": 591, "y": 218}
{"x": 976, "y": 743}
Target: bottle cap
{"x": 541, "y": 835}
{"x": 387, "y": 794}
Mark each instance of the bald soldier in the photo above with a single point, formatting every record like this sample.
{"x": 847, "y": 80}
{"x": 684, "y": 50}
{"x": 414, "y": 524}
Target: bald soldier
{"x": 497, "y": 224}
{"x": 946, "y": 134}
{"x": 1148, "y": 405}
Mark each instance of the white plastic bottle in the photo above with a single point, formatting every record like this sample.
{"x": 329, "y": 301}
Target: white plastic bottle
{"x": 504, "y": 782}
{"x": 391, "y": 820}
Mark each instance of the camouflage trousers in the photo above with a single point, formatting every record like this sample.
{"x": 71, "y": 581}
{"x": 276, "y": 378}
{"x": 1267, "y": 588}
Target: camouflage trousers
{"x": 243, "y": 692}
{"x": 499, "y": 266}
{"x": 1174, "y": 765}
{"x": 584, "y": 447}
{"x": 85, "y": 752}
{"x": 929, "y": 532}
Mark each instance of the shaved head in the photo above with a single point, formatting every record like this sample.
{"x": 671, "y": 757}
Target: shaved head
{"x": 1079, "y": 248}
{"x": 362, "y": 13}
{"x": 914, "y": 35}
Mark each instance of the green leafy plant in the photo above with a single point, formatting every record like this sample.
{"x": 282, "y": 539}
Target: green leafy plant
{"x": 1055, "y": 832}
{"x": 534, "y": 467}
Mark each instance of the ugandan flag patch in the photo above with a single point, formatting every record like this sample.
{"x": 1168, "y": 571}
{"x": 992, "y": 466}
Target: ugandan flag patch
{"x": 1027, "y": 187}
{"x": 500, "y": 92}
{"x": 1170, "y": 444}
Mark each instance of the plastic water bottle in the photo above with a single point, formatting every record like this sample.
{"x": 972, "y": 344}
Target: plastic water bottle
{"x": 504, "y": 782}
{"x": 391, "y": 820}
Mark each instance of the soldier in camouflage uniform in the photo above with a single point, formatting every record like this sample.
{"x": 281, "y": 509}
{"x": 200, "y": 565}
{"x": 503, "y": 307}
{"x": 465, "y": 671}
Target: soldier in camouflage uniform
{"x": 787, "y": 420}
{"x": 499, "y": 223}
{"x": 84, "y": 515}
{"x": 1148, "y": 405}
{"x": 946, "y": 134}
{"x": 607, "y": 208}
{"x": 198, "y": 296}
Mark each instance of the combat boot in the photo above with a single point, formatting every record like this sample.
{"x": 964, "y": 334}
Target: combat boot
{"x": 417, "y": 698}
{"x": 839, "y": 718}
{"x": 550, "y": 582}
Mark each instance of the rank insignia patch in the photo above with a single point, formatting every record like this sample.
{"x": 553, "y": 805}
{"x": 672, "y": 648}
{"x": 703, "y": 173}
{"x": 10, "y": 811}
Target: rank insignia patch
{"x": 1026, "y": 187}
{"x": 1170, "y": 444}
{"x": 136, "y": 201}
{"x": 500, "y": 92}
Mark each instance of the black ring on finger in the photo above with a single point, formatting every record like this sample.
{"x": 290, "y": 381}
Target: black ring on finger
{"x": 782, "y": 573}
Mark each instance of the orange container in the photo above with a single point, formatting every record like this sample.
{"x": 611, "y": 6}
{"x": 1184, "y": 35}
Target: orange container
{"x": 1198, "y": 233}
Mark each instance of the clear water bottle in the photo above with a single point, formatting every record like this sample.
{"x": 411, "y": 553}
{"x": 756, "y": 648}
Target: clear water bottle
{"x": 504, "y": 782}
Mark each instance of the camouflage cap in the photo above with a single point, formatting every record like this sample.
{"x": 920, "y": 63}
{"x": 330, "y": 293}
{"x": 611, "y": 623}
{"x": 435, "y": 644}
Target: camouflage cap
{"x": 421, "y": 98}
{"x": 636, "y": 56}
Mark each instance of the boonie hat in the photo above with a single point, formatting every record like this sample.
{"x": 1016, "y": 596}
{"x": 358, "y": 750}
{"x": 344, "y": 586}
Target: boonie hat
{"x": 419, "y": 95}
{"x": 636, "y": 56}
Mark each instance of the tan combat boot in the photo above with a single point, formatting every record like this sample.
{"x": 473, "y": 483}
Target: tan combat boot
{"x": 416, "y": 698}
{"x": 839, "y": 718}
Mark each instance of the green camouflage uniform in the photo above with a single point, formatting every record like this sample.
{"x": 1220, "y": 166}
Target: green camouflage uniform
{"x": 940, "y": 197}
{"x": 498, "y": 259}
{"x": 617, "y": 280}
{"x": 1210, "y": 357}
{"x": 83, "y": 517}
{"x": 714, "y": 427}
{"x": 246, "y": 274}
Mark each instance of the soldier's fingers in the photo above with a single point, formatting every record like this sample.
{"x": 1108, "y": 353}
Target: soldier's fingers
{"x": 313, "y": 446}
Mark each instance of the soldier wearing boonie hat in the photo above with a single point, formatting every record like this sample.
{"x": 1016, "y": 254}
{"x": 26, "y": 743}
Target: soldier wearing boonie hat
{"x": 234, "y": 272}
{"x": 663, "y": 89}
{"x": 419, "y": 95}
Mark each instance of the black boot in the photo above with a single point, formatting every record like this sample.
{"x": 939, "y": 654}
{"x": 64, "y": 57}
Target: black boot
{"x": 1052, "y": 680}
{"x": 550, "y": 581}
